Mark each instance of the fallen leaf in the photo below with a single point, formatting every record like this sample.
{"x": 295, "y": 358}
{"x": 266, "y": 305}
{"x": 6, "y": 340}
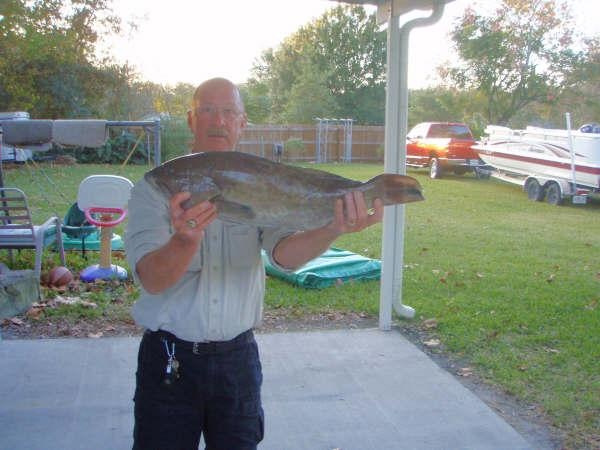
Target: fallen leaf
{"x": 432, "y": 343}
{"x": 465, "y": 372}
{"x": 550, "y": 279}
{"x": 430, "y": 324}
{"x": 551, "y": 350}
{"x": 592, "y": 306}
{"x": 16, "y": 321}
{"x": 34, "y": 313}
{"x": 479, "y": 275}
{"x": 74, "y": 301}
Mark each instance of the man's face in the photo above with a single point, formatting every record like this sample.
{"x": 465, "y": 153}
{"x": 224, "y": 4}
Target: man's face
{"x": 217, "y": 119}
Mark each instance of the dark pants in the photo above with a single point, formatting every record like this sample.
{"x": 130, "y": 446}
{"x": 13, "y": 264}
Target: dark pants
{"x": 217, "y": 394}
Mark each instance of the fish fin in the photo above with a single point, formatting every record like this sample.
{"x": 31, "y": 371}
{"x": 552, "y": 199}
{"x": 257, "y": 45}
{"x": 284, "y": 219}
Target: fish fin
{"x": 199, "y": 197}
{"x": 397, "y": 188}
{"x": 234, "y": 210}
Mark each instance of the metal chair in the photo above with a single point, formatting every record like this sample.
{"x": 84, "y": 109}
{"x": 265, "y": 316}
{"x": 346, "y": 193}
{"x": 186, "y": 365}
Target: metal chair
{"x": 17, "y": 230}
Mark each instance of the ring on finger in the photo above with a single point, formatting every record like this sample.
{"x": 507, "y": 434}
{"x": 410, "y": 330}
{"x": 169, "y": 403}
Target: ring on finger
{"x": 192, "y": 223}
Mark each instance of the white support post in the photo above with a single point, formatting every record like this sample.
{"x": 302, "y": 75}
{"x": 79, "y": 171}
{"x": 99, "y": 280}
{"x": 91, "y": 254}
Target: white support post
{"x": 396, "y": 119}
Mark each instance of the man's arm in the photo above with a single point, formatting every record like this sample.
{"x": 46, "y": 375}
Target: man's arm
{"x": 163, "y": 267}
{"x": 299, "y": 248}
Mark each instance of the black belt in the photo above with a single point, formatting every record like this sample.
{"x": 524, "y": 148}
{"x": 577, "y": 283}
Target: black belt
{"x": 203, "y": 347}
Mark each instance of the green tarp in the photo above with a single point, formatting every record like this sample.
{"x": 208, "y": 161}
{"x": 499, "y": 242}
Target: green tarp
{"x": 334, "y": 266}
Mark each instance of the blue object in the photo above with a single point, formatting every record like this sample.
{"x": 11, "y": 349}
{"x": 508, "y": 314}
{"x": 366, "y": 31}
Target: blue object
{"x": 332, "y": 267}
{"x": 95, "y": 272}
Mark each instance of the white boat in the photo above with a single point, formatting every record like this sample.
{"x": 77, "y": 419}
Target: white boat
{"x": 547, "y": 162}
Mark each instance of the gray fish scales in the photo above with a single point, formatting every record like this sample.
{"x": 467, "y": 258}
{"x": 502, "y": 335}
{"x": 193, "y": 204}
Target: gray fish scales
{"x": 255, "y": 191}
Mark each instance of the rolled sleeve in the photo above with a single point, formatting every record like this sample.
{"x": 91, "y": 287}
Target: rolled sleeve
{"x": 148, "y": 227}
{"x": 271, "y": 237}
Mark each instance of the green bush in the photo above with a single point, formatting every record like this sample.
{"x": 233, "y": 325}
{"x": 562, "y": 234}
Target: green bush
{"x": 115, "y": 151}
{"x": 175, "y": 138}
{"x": 293, "y": 147}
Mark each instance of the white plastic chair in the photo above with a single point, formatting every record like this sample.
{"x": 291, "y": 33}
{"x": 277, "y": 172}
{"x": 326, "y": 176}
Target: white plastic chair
{"x": 17, "y": 230}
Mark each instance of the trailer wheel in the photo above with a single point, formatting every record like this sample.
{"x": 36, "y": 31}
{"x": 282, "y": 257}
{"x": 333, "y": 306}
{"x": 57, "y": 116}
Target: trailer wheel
{"x": 482, "y": 174}
{"x": 534, "y": 191}
{"x": 435, "y": 169}
{"x": 553, "y": 194}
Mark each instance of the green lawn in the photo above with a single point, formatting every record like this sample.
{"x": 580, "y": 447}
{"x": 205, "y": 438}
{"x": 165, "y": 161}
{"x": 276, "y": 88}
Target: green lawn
{"x": 514, "y": 285}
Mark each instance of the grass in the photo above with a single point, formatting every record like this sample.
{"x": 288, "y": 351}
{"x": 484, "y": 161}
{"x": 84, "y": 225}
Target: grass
{"x": 514, "y": 285}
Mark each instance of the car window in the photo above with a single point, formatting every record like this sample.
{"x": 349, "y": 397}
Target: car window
{"x": 455, "y": 131}
{"x": 418, "y": 131}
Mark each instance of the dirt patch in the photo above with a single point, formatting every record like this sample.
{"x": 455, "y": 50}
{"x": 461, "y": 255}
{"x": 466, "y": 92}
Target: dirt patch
{"x": 279, "y": 320}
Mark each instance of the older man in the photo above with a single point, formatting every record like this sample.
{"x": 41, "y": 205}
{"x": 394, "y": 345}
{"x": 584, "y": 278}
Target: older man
{"x": 202, "y": 290}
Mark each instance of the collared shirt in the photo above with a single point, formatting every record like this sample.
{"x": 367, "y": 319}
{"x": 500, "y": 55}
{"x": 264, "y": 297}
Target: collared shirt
{"x": 221, "y": 294}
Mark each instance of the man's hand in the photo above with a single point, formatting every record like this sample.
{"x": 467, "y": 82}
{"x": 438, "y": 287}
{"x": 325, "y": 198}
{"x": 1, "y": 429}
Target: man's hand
{"x": 351, "y": 213}
{"x": 189, "y": 224}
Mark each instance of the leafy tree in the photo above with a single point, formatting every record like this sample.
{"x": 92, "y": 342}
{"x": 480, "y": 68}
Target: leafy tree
{"x": 522, "y": 54}
{"x": 447, "y": 105}
{"x": 341, "y": 55}
{"x": 48, "y": 65}
{"x": 256, "y": 100}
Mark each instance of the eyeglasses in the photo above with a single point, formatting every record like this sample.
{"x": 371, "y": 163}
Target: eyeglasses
{"x": 228, "y": 111}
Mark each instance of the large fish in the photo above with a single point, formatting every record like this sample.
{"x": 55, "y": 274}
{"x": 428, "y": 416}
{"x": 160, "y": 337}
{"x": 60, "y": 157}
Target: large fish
{"x": 256, "y": 191}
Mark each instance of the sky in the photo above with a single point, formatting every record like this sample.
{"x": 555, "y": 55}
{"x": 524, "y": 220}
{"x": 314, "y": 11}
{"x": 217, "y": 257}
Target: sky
{"x": 193, "y": 40}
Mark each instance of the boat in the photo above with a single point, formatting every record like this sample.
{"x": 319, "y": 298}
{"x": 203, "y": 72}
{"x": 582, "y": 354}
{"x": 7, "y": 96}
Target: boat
{"x": 551, "y": 163}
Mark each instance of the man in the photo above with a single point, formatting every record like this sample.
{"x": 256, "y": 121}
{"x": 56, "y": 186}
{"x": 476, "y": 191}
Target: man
{"x": 202, "y": 292}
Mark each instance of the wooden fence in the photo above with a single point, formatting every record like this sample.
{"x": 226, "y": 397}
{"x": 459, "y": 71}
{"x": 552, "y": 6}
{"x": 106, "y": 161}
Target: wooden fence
{"x": 301, "y": 142}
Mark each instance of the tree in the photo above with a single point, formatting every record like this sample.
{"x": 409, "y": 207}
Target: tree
{"x": 48, "y": 65}
{"x": 522, "y": 54}
{"x": 341, "y": 55}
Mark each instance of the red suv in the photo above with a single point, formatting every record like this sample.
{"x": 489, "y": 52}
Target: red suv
{"x": 442, "y": 146}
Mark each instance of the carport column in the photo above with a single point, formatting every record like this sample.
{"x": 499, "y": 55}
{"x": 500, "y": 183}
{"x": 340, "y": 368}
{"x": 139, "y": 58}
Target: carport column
{"x": 396, "y": 120}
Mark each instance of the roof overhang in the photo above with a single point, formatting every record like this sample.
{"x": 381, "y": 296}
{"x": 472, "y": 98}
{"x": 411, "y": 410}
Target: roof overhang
{"x": 387, "y": 8}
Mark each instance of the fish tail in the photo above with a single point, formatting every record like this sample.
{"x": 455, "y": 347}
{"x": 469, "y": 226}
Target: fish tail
{"x": 394, "y": 189}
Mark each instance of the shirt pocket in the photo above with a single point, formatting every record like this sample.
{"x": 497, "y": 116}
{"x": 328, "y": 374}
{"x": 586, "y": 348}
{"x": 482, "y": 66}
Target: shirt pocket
{"x": 243, "y": 245}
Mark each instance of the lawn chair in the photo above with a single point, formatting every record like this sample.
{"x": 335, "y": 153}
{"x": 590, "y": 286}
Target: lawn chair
{"x": 17, "y": 230}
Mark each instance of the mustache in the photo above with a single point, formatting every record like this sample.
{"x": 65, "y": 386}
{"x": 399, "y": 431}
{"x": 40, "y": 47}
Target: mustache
{"x": 217, "y": 132}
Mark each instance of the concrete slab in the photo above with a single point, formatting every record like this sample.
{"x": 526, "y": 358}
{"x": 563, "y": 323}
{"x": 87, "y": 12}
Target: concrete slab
{"x": 342, "y": 389}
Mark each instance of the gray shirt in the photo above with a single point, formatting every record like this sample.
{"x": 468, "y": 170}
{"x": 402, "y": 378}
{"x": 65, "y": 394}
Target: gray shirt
{"x": 221, "y": 294}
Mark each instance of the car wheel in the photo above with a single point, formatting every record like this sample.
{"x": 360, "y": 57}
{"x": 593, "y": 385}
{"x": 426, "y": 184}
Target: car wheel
{"x": 534, "y": 190}
{"x": 435, "y": 170}
{"x": 553, "y": 194}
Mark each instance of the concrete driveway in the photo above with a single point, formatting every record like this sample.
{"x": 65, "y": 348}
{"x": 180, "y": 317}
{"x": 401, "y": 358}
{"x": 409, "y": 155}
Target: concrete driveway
{"x": 323, "y": 390}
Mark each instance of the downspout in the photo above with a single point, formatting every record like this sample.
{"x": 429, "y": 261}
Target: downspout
{"x": 395, "y": 162}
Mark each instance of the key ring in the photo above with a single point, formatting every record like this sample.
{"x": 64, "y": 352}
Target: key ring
{"x": 170, "y": 354}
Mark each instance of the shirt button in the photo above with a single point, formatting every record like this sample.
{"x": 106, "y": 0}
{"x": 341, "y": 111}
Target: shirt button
{"x": 215, "y": 267}
{"x": 215, "y": 300}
